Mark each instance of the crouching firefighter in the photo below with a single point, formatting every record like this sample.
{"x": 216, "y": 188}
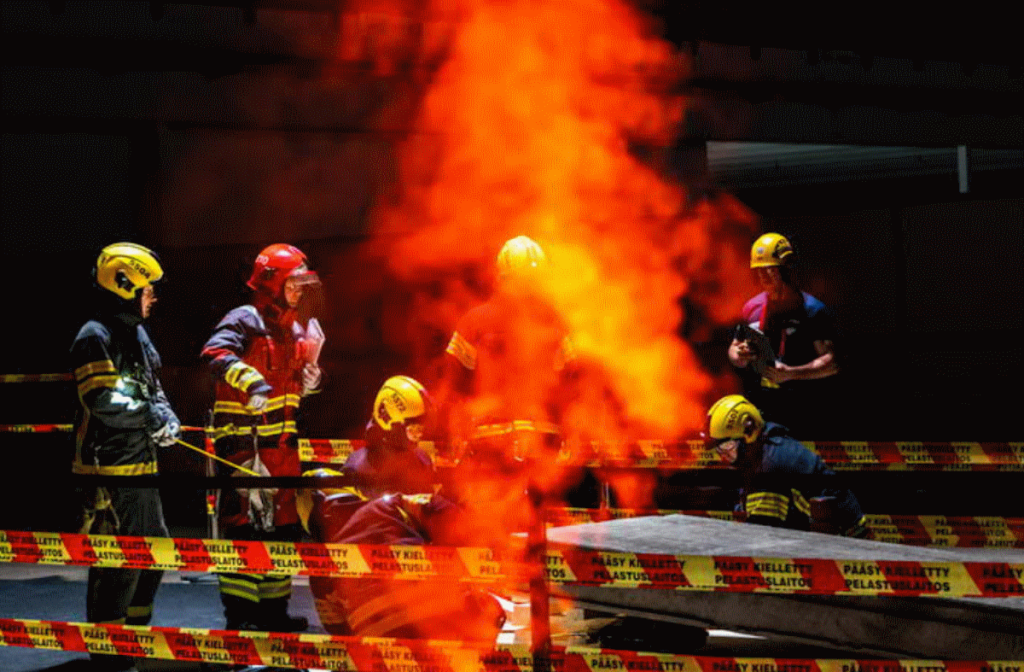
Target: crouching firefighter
{"x": 259, "y": 355}
{"x": 392, "y": 460}
{"x": 441, "y": 608}
{"x": 784, "y": 483}
{"x": 124, "y": 416}
{"x": 462, "y": 514}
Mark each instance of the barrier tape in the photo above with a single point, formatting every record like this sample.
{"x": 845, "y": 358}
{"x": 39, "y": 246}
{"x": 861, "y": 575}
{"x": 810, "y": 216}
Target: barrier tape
{"x": 785, "y": 575}
{"x": 915, "y": 530}
{"x": 840, "y": 455}
{"x": 377, "y": 654}
{"x": 222, "y": 555}
{"x": 564, "y": 566}
{"x": 35, "y": 377}
{"x": 44, "y": 429}
{"x": 36, "y": 429}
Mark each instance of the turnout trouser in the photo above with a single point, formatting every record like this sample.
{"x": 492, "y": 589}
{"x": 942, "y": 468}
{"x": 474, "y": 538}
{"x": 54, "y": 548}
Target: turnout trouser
{"x": 118, "y": 595}
{"x": 257, "y": 601}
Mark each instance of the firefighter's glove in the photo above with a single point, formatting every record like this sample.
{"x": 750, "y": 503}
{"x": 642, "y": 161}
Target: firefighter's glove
{"x": 164, "y": 425}
{"x": 261, "y": 509}
{"x": 168, "y": 434}
{"x": 259, "y": 502}
{"x": 257, "y": 402}
{"x": 311, "y": 376}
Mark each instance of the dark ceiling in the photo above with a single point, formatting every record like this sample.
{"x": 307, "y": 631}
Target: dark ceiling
{"x": 857, "y": 73}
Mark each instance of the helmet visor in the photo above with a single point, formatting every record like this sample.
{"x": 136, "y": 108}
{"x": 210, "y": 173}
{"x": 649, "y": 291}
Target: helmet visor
{"x": 727, "y": 449}
{"x": 304, "y": 292}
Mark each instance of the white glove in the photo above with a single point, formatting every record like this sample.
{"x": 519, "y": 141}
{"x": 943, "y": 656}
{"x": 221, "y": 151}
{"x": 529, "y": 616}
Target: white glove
{"x": 259, "y": 502}
{"x": 257, "y": 403}
{"x": 311, "y": 375}
{"x": 261, "y": 509}
{"x": 168, "y": 434}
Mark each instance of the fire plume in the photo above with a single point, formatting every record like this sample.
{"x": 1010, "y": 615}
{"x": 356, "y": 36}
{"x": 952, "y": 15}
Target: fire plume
{"x": 554, "y": 120}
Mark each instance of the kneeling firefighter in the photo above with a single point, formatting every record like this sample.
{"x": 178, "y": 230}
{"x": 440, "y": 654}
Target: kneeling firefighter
{"x": 782, "y": 480}
{"x": 392, "y": 460}
{"x": 441, "y": 608}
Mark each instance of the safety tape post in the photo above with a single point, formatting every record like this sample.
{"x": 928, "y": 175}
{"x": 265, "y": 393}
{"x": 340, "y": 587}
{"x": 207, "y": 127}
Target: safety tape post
{"x": 567, "y": 566}
{"x": 378, "y": 654}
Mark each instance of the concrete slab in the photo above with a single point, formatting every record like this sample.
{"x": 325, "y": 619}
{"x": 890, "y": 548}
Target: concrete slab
{"x": 927, "y": 627}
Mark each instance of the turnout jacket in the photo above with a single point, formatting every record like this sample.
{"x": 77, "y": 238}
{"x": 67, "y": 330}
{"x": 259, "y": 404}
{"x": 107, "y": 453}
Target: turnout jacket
{"x": 122, "y": 402}
{"x": 511, "y": 358}
{"x": 782, "y": 478}
{"x": 248, "y": 355}
{"x": 441, "y": 608}
{"x": 379, "y": 468}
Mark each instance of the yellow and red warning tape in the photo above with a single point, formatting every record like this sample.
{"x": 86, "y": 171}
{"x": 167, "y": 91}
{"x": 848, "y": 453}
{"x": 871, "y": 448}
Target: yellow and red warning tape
{"x": 46, "y": 429}
{"x": 915, "y": 530}
{"x": 377, "y": 654}
{"x": 35, "y": 377}
{"x": 564, "y": 566}
{"x": 840, "y": 455}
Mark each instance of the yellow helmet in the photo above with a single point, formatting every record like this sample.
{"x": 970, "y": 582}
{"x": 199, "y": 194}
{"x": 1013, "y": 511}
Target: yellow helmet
{"x": 771, "y": 249}
{"x": 401, "y": 399}
{"x": 304, "y": 496}
{"x": 733, "y": 417}
{"x": 518, "y": 255}
{"x": 125, "y": 268}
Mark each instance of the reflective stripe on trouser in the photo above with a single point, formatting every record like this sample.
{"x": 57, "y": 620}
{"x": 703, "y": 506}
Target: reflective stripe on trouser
{"x": 255, "y": 587}
{"x": 254, "y": 600}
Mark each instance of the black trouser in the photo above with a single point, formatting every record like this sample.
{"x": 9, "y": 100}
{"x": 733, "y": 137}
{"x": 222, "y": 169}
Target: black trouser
{"x": 125, "y": 596}
{"x": 257, "y": 601}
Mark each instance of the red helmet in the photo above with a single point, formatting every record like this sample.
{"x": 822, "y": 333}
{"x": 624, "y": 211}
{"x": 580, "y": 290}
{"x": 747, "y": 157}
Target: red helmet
{"x": 275, "y": 264}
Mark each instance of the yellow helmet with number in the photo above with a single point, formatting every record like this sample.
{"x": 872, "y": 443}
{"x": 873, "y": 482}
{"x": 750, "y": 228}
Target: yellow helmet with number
{"x": 125, "y": 268}
{"x": 401, "y": 399}
{"x": 771, "y": 249}
{"x": 733, "y": 417}
{"x": 520, "y": 255}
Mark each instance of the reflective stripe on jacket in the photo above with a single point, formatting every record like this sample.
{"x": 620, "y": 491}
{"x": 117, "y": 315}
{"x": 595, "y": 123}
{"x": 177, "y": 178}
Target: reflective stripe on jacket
{"x": 117, "y": 371}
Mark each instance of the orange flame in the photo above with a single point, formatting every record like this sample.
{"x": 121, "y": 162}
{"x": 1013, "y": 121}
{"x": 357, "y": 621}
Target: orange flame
{"x": 549, "y": 119}
{"x": 532, "y": 125}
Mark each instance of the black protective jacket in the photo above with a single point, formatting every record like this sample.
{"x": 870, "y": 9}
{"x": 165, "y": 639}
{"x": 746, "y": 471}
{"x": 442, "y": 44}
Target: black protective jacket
{"x": 783, "y": 476}
{"x": 122, "y": 402}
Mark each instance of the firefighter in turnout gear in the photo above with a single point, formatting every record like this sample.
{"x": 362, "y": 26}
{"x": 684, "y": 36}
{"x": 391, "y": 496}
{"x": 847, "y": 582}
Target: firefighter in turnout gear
{"x": 470, "y": 509}
{"x": 392, "y": 460}
{"x": 264, "y": 361}
{"x": 784, "y": 483}
{"x": 124, "y": 416}
{"x": 461, "y": 514}
{"x": 507, "y": 363}
{"x": 441, "y": 608}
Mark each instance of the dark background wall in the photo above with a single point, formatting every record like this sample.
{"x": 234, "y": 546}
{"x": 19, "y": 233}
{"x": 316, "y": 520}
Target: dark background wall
{"x": 199, "y": 128}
